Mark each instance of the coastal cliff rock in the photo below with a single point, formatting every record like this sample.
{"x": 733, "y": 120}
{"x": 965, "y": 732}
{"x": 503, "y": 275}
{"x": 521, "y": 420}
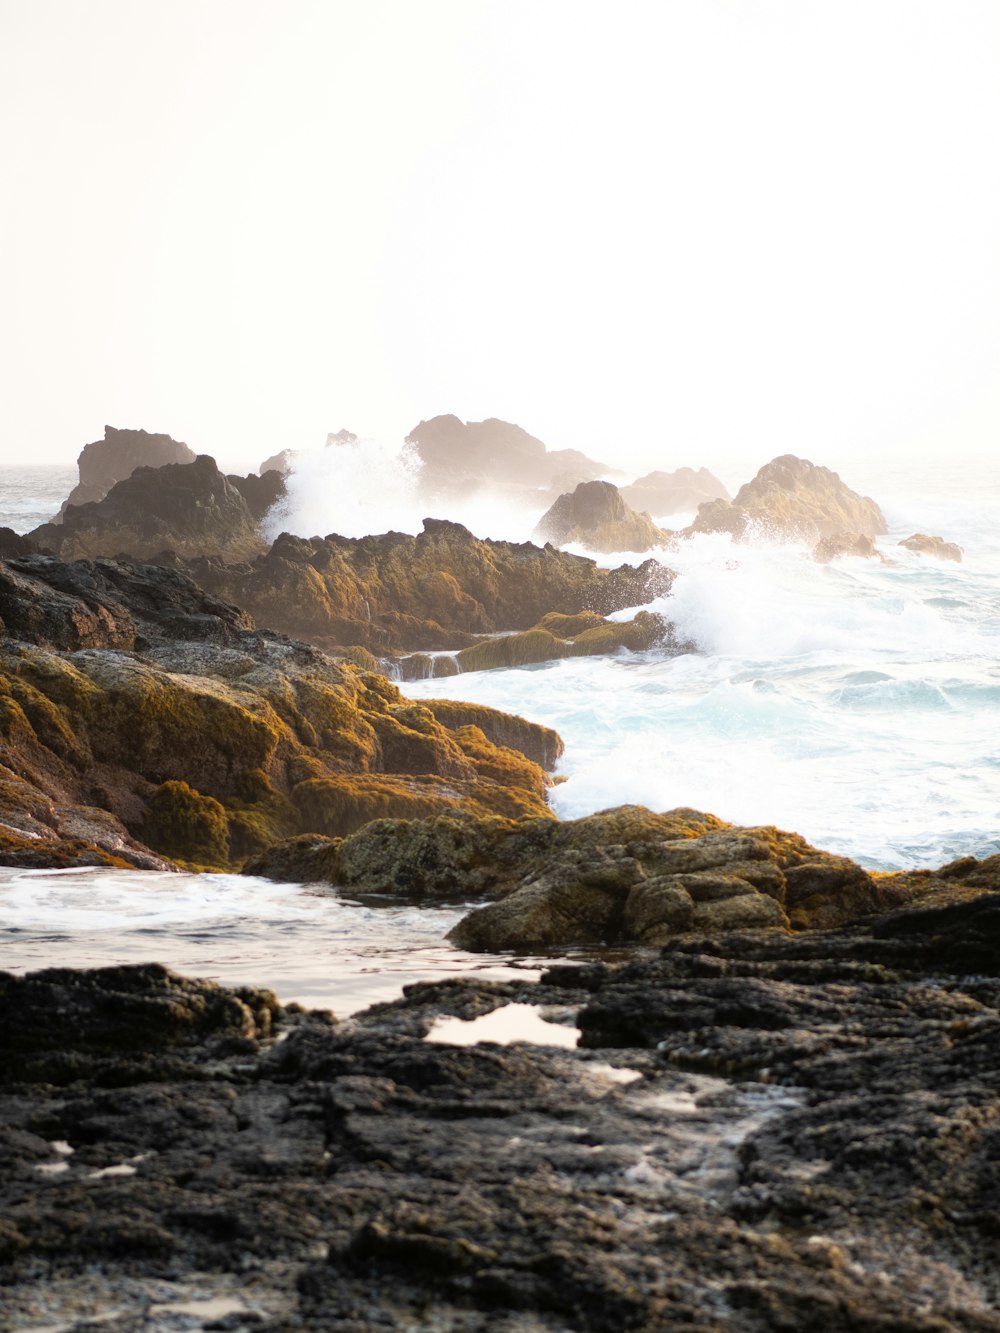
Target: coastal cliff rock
{"x": 436, "y": 591}
{"x": 190, "y": 509}
{"x": 756, "y": 1132}
{"x": 793, "y": 500}
{"x": 596, "y": 516}
{"x": 623, "y": 877}
{"x": 105, "y": 462}
{"x": 933, "y": 546}
{"x": 673, "y": 492}
{"x": 125, "y": 687}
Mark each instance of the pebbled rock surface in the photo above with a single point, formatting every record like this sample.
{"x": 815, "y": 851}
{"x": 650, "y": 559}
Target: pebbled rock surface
{"x": 142, "y": 718}
{"x": 809, "y": 1140}
{"x": 105, "y": 462}
{"x": 596, "y": 516}
{"x": 791, "y": 499}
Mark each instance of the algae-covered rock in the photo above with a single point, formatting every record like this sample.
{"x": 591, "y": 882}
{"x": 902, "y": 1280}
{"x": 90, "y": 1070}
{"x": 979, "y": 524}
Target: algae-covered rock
{"x": 791, "y": 499}
{"x": 586, "y": 635}
{"x": 184, "y": 824}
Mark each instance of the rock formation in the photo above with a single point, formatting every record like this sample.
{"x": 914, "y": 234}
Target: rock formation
{"x": 673, "y": 492}
{"x": 933, "y": 546}
{"x": 791, "y": 499}
{"x": 840, "y": 544}
{"x": 105, "y": 462}
{"x": 142, "y": 717}
{"x": 190, "y": 509}
{"x": 596, "y": 516}
{"x": 756, "y": 1132}
{"x": 282, "y": 461}
{"x": 459, "y": 457}
{"x": 625, "y": 876}
{"x": 436, "y": 591}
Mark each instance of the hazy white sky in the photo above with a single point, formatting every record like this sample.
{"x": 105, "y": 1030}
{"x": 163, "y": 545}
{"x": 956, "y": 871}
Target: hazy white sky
{"x": 666, "y": 232}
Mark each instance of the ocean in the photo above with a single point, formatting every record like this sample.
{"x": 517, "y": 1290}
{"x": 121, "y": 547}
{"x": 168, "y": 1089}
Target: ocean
{"x": 857, "y": 703}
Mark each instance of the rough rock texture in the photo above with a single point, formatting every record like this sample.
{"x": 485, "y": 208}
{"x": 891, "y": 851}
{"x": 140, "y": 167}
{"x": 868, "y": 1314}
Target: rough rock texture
{"x": 625, "y": 876}
{"x": 190, "y": 509}
{"x": 105, "y": 462}
{"x": 934, "y": 546}
{"x": 126, "y": 687}
{"x": 14, "y": 543}
{"x": 840, "y": 544}
{"x": 461, "y": 457}
{"x": 793, "y": 500}
{"x": 673, "y": 492}
{"x": 758, "y": 1132}
{"x": 596, "y": 516}
{"x": 435, "y": 591}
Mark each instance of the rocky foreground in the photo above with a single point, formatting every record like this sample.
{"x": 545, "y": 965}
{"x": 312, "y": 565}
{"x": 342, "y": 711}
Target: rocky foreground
{"x": 757, "y": 1131}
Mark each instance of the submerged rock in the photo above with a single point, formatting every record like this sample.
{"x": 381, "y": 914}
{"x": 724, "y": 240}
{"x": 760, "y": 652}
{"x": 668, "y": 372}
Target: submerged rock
{"x": 596, "y": 516}
{"x": 793, "y": 500}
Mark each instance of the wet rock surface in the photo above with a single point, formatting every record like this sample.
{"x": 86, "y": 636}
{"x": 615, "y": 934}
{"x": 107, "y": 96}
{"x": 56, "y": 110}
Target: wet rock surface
{"x": 757, "y": 1132}
{"x": 933, "y": 546}
{"x": 791, "y": 499}
{"x": 142, "y": 718}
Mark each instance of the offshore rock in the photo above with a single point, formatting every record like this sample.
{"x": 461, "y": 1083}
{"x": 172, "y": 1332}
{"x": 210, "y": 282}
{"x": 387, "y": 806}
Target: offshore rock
{"x": 436, "y": 591}
{"x": 933, "y": 546}
{"x": 190, "y": 509}
{"x": 105, "y": 462}
{"x": 673, "y": 492}
{"x": 142, "y": 718}
{"x": 791, "y": 499}
{"x": 757, "y": 1132}
{"x": 596, "y": 516}
{"x": 840, "y": 544}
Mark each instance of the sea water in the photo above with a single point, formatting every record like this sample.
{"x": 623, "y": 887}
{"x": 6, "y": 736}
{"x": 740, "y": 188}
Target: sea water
{"x": 857, "y": 703}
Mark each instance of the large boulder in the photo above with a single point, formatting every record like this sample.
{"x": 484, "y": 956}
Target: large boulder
{"x": 105, "y": 462}
{"x": 595, "y": 515}
{"x": 791, "y": 499}
{"x": 673, "y": 492}
{"x": 436, "y": 591}
{"x": 187, "y": 508}
{"x": 932, "y": 546}
{"x": 140, "y": 716}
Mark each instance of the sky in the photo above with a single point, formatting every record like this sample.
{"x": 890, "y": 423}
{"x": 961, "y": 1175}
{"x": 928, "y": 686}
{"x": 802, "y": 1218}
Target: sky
{"x": 675, "y": 232}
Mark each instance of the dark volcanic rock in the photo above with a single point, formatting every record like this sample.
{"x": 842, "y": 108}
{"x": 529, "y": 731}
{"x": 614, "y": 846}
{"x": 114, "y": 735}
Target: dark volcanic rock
{"x": 794, "y": 500}
{"x": 596, "y": 516}
{"x": 105, "y": 462}
{"x": 188, "y": 508}
{"x": 673, "y": 492}
{"x": 757, "y": 1133}
{"x": 434, "y": 591}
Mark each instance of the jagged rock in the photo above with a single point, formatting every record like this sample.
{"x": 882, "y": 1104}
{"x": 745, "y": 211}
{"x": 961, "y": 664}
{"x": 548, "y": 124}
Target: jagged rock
{"x": 596, "y": 516}
{"x": 188, "y": 508}
{"x": 622, "y": 877}
{"x": 933, "y": 546}
{"x": 128, "y": 687}
{"x": 283, "y": 461}
{"x": 840, "y": 544}
{"x": 673, "y": 492}
{"x": 438, "y": 590}
{"x": 793, "y": 500}
{"x": 261, "y": 492}
{"x": 105, "y": 462}
{"x": 13, "y": 543}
